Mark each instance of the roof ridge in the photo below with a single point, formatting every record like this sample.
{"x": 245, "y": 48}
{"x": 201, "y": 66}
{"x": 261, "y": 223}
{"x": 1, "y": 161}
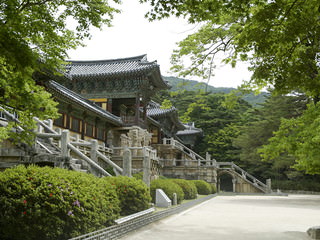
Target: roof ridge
{"x": 141, "y": 58}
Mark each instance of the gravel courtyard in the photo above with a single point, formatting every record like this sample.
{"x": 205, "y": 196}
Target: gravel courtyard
{"x": 240, "y": 218}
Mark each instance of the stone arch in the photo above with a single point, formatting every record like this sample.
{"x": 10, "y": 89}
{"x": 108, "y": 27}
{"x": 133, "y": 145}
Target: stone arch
{"x": 226, "y": 181}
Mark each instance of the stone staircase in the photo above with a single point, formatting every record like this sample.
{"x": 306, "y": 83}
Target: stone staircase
{"x": 58, "y": 149}
{"x": 236, "y": 170}
{"x": 79, "y": 165}
{"x": 227, "y": 166}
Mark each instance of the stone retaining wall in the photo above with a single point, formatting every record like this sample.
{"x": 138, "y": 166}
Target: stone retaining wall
{"x": 301, "y": 192}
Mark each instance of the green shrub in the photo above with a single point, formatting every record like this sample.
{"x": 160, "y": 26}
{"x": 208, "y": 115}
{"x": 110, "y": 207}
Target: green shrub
{"x": 134, "y": 195}
{"x": 298, "y": 185}
{"x": 213, "y": 187}
{"x": 53, "y": 203}
{"x": 188, "y": 187}
{"x": 138, "y": 175}
{"x": 168, "y": 186}
{"x": 203, "y": 187}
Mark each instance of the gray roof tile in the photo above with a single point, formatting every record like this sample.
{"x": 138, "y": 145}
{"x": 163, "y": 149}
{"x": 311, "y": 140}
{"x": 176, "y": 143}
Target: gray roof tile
{"x": 133, "y": 65}
{"x": 57, "y": 89}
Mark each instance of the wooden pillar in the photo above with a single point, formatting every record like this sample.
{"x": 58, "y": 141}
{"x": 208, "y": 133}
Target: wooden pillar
{"x": 83, "y": 122}
{"x": 145, "y": 113}
{"x": 137, "y": 115}
{"x": 109, "y": 105}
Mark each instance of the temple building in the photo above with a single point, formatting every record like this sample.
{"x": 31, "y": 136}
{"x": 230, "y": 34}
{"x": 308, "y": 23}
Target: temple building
{"x": 120, "y": 86}
{"x": 109, "y": 125}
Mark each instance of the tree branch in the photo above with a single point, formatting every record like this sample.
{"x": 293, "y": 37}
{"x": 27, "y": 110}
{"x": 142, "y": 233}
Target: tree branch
{"x": 27, "y": 3}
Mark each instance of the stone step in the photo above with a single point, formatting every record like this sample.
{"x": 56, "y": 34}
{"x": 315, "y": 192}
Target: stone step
{"x": 75, "y": 161}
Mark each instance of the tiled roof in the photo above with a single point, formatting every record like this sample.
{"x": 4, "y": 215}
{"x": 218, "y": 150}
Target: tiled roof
{"x": 190, "y": 130}
{"x": 154, "y": 110}
{"x": 111, "y": 67}
{"x": 57, "y": 89}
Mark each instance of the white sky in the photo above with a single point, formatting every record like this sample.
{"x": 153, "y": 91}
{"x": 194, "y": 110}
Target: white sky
{"x": 133, "y": 35}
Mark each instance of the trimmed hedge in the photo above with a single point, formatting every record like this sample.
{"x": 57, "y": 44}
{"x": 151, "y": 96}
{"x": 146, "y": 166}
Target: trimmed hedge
{"x": 168, "y": 186}
{"x": 53, "y": 203}
{"x": 203, "y": 187}
{"x": 134, "y": 195}
{"x": 188, "y": 187}
{"x": 213, "y": 187}
{"x": 138, "y": 176}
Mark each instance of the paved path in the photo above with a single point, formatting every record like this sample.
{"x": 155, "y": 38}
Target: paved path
{"x": 239, "y": 218}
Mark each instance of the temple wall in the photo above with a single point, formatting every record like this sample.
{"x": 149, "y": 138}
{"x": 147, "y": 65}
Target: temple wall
{"x": 11, "y": 155}
{"x": 208, "y": 174}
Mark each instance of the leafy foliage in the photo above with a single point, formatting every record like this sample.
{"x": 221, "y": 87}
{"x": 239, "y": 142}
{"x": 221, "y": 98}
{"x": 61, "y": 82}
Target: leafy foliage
{"x": 34, "y": 38}
{"x": 45, "y": 203}
{"x": 168, "y": 187}
{"x": 262, "y": 123}
{"x": 133, "y": 194}
{"x": 218, "y": 121}
{"x": 298, "y": 137}
{"x": 280, "y": 39}
{"x": 213, "y": 187}
{"x": 188, "y": 187}
{"x": 203, "y": 187}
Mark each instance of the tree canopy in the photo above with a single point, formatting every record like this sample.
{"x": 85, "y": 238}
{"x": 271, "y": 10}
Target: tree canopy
{"x": 34, "y": 37}
{"x": 279, "y": 39}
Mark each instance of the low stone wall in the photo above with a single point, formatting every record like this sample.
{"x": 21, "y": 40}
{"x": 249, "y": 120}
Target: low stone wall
{"x": 300, "y": 192}
{"x": 117, "y": 231}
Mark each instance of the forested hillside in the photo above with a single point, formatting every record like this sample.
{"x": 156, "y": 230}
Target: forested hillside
{"x": 239, "y": 132}
{"x": 192, "y": 85}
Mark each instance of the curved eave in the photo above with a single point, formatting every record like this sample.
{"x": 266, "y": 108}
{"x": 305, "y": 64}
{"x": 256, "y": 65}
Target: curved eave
{"x": 158, "y": 112}
{"x": 158, "y": 81}
{"x": 123, "y": 74}
{"x": 63, "y": 93}
{"x": 189, "y": 132}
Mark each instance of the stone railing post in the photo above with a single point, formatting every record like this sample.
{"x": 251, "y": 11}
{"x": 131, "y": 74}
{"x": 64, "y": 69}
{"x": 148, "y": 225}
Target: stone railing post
{"x": 50, "y": 123}
{"x": 65, "y": 139}
{"x": 208, "y": 159}
{"x": 93, "y": 150}
{"x": 164, "y": 141}
{"x": 127, "y": 162}
{"x": 146, "y": 170}
{"x": 234, "y": 182}
{"x": 268, "y": 183}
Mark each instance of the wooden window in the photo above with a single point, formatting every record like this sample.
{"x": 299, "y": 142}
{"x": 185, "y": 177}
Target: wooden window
{"x": 89, "y": 130}
{"x": 101, "y": 134}
{"x": 75, "y": 124}
{"x": 60, "y": 121}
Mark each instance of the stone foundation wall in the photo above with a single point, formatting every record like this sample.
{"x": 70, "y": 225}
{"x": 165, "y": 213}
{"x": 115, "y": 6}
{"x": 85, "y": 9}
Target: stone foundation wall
{"x": 208, "y": 174}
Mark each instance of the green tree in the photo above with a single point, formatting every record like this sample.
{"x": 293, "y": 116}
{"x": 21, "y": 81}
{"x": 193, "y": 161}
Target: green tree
{"x": 263, "y": 121}
{"x": 298, "y": 137}
{"x": 34, "y": 38}
{"x": 280, "y": 39}
{"x": 218, "y": 121}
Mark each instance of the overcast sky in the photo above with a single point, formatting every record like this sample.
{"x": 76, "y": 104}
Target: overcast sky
{"x": 133, "y": 35}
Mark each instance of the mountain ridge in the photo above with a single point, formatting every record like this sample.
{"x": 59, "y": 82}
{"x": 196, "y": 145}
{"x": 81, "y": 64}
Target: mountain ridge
{"x": 193, "y": 85}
